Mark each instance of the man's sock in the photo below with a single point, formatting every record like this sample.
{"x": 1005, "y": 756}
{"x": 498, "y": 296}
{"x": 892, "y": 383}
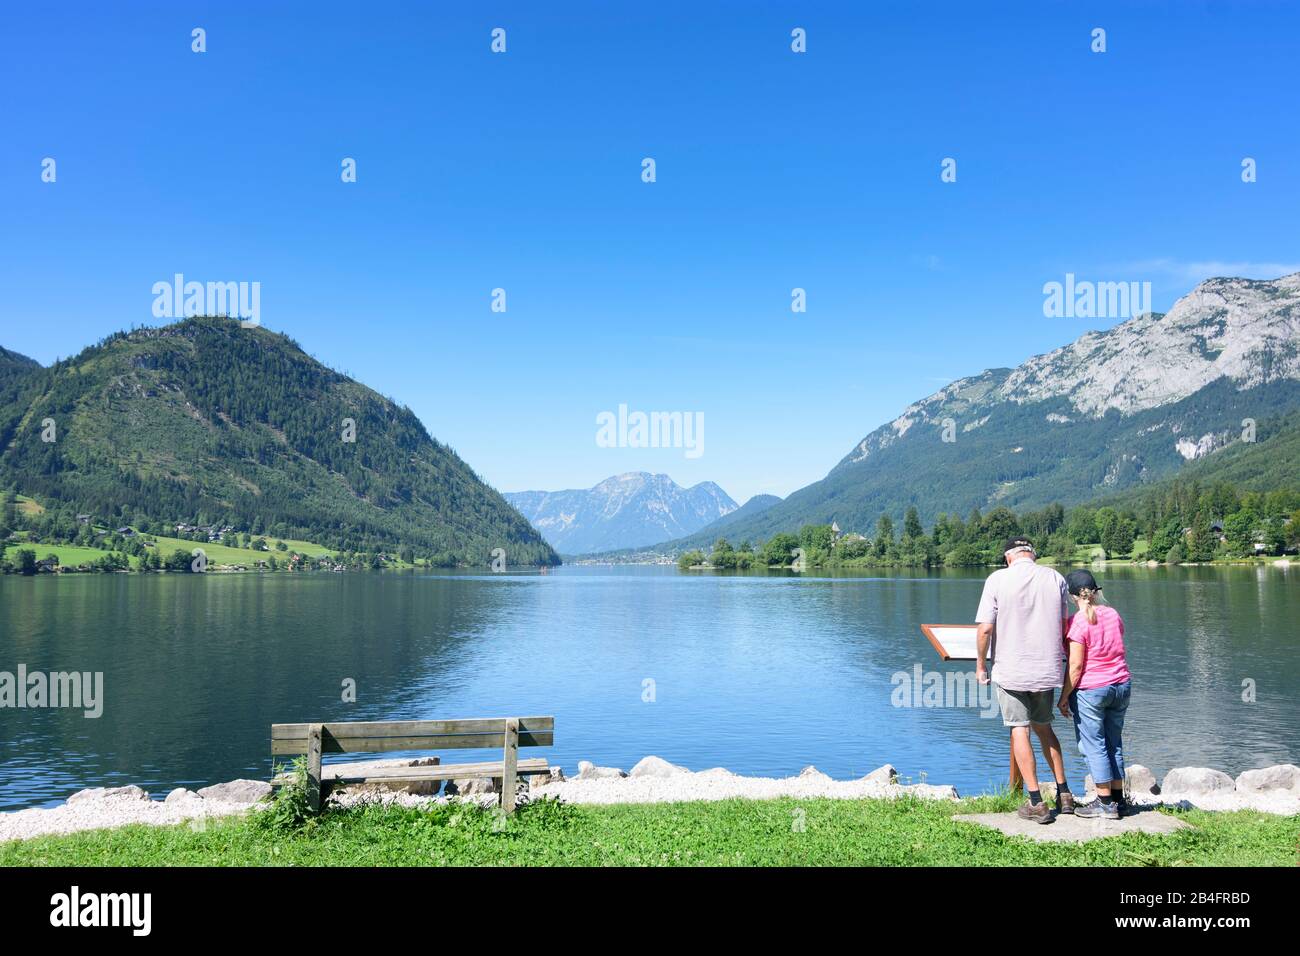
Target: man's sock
{"x": 1035, "y": 798}
{"x": 1062, "y": 787}
{"x": 1107, "y": 799}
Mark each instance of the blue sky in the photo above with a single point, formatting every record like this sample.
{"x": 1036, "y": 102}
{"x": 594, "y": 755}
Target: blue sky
{"x": 522, "y": 171}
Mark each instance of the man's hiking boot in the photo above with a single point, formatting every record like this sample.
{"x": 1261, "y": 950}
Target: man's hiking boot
{"x": 1039, "y": 813}
{"x": 1096, "y": 810}
{"x": 1064, "y": 802}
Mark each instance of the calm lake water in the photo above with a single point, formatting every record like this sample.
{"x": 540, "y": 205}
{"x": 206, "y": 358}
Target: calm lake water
{"x": 762, "y": 674}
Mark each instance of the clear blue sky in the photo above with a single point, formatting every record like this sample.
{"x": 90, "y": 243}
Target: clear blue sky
{"x": 522, "y": 171}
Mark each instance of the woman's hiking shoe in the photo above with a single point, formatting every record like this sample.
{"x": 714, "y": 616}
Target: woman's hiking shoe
{"x": 1037, "y": 812}
{"x": 1096, "y": 810}
{"x": 1065, "y": 802}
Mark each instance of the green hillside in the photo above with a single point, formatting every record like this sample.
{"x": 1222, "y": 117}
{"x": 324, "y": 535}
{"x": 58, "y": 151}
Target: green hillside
{"x": 207, "y": 422}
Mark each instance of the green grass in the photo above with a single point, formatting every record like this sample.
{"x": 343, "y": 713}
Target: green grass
{"x": 70, "y": 555}
{"x": 224, "y": 554}
{"x": 903, "y": 832}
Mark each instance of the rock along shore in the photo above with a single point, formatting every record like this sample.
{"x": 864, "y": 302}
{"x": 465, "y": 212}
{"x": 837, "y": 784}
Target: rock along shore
{"x": 1273, "y": 790}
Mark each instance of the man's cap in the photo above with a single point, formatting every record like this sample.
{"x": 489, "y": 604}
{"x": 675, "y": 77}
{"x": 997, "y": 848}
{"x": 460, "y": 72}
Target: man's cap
{"x": 1017, "y": 543}
{"x": 1076, "y": 581}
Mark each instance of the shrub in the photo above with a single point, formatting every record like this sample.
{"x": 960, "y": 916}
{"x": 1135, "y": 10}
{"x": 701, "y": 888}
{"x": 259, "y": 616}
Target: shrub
{"x": 289, "y": 809}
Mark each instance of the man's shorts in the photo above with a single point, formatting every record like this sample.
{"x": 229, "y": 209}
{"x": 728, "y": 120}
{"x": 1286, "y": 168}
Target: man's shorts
{"x": 1020, "y": 708}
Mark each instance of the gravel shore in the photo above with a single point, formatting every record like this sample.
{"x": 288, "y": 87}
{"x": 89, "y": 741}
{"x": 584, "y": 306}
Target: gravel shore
{"x": 100, "y": 808}
{"x": 1273, "y": 790}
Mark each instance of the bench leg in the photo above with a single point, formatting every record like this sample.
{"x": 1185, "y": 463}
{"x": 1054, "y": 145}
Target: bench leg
{"x": 313, "y": 766}
{"x": 511, "y": 765}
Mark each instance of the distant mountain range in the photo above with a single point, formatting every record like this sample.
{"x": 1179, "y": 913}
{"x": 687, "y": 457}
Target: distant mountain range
{"x": 1156, "y": 396}
{"x": 209, "y": 422}
{"x": 625, "y": 511}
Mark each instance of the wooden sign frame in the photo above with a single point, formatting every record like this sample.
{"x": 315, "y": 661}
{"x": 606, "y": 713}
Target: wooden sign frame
{"x": 1013, "y": 777}
{"x": 928, "y": 631}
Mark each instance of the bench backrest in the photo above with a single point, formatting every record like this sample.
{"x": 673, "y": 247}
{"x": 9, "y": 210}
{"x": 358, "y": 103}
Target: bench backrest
{"x": 374, "y": 736}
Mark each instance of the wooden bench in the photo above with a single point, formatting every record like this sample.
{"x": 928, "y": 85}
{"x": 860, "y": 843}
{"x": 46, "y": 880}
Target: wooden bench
{"x": 508, "y": 733}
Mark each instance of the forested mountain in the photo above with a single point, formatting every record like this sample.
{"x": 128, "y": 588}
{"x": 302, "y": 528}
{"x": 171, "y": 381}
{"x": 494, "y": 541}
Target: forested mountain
{"x": 626, "y": 511}
{"x": 208, "y": 422}
{"x": 1114, "y": 410}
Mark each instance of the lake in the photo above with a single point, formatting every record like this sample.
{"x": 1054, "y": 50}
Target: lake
{"x": 762, "y": 674}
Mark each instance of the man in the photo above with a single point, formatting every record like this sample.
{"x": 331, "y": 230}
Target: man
{"x": 1025, "y": 610}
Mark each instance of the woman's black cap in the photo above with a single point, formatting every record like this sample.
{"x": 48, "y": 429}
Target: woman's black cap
{"x": 1076, "y": 581}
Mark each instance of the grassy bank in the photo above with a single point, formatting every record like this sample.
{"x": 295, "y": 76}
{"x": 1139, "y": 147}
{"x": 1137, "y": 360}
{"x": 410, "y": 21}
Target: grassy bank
{"x": 905, "y": 832}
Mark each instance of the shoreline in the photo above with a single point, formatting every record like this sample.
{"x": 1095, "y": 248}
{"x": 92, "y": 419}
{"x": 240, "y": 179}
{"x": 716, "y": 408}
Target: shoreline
{"x": 1271, "y": 790}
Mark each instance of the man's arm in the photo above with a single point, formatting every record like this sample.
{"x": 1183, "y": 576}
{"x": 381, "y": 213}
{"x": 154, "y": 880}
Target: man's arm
{"x": 982, "y": 635}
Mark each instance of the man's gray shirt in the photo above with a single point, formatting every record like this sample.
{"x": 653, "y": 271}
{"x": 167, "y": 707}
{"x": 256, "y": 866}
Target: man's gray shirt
{"x": 1026, "y": 603}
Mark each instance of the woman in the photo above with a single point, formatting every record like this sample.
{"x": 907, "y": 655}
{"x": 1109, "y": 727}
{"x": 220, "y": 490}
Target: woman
{"x": 1096, "y": 690}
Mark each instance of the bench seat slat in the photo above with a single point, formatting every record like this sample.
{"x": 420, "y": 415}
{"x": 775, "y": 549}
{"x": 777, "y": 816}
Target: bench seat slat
{"x": 440, "y": 772}
{"x": 417, "y": 774}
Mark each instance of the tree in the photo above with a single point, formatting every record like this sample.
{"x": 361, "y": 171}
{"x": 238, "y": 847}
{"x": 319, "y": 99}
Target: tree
{"x": 779, "y": 549}
{"x": 912, "y": 524}
{"x": 1239, "y": 528}
{"x": 1081, "y": 525}
{"x": 1000, "y": 524}
{"x": 884, "y": 536}
{"x": 1118, "y": 534}
{"x": 723, "y": 556}
{"x": 1202, "y": 543}
{"x": 690, "y": 559}
{"x": 816, "y": 537}
{"x": 26, "y": 561}
{"x": 966, "y": 555}
{"x": 1166, "y": 536}
{"x": 178, "y": 560}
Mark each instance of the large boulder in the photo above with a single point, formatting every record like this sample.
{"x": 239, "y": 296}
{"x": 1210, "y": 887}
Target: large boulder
{"x": 108, "y": 793}
{"x": 656, "y": 767}
{"x": 1284, "y": 776}
{"x": 933, "y": 791}
{"x": 812, "y": 774}
{"x": 471, "y": 786}
{"x": 1139, "y": 781}
{"x": 180, "y": 797}
{"x": 1195, "y": 780}
{"x": 425, "y": 788}
{"x": 589, "y": 771}
{"x": 237, "y": 791}
{"x": 882, "y": 775}
{"x": 555, "y": 775}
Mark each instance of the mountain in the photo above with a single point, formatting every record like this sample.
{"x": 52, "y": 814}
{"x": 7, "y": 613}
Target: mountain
{"x": 11, "y": 362}
{"x": 754, "y": 506}
{"x": 1113, "y": 410}
{"x": 206, "y": 421}
{"x": 625, "y": 511}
